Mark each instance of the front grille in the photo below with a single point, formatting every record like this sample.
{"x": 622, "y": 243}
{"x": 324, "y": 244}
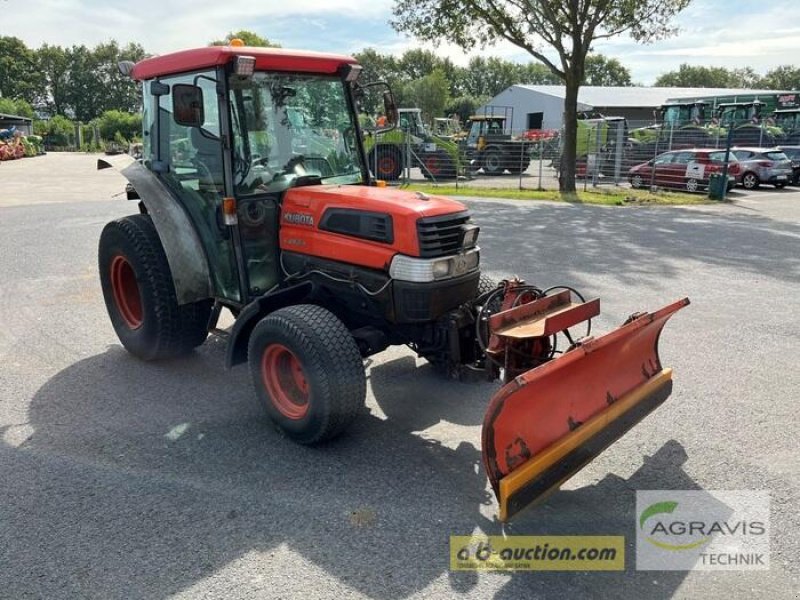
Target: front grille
{"x": 441, "y": 236}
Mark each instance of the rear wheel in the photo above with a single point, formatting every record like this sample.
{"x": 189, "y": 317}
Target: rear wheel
{"x": 637, "y": 181}
{"x": 140, "y": 294}
{"x": 780, "y": 186}
{"x": 493, "y": 162}
{"x": 389, "y": 163}
{"x": 750, "y": 181}
{"x": 307, "y": 372}
{"x": 438, "y": 165}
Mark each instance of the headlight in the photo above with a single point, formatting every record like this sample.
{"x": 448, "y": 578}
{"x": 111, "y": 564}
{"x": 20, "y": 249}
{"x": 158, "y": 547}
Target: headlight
{"x": 421, "y": 270}
{"x": 470, "y": 236}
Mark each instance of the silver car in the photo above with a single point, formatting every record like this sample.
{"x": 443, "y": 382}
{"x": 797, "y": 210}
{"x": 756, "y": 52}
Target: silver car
{"x": 763, "y": 165}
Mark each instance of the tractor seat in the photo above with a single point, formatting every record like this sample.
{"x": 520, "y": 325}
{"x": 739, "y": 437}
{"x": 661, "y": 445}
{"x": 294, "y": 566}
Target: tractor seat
{"x": 208, "y": 156}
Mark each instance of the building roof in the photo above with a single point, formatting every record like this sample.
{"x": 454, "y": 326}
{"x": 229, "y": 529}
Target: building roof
{"x": 622, "y": 97}
{"x": 6, "y": 117}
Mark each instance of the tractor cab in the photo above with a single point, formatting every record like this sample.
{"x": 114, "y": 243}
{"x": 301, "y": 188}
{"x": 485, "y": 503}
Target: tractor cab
{"x": 738, "y": 113}
{"x": 248, "y": 124}
{"x": 410, "y": 121}
{"x": 678, "y": 114}
{"x": 485, "y": 127}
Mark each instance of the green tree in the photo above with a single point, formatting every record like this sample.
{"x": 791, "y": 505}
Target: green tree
{"x": 58, "y": 131}
{"x": 18, "y": 74}
{"x": 490, "y": 76}
{"x": 535, "y": 73}
{"x": 696, "y": 76}
{"x": 601, "y": 70}
{"x": 746, "y": 77}
{"x": 785, "y": 77}
{"x": 377, "y": 66}
{"x": 18, "y": 108}
{"x": 567, "y": 28}
{"x": 53, "y": 91}
{"x": 249, "y": 38}
{"x": 116, "y": 123}
{"x": 464, "y": 106}
{"x": 430, "y": 94}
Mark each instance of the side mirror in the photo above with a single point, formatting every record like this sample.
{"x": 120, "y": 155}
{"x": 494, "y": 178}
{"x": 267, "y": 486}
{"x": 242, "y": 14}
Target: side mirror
{"x": 187, "y": 105}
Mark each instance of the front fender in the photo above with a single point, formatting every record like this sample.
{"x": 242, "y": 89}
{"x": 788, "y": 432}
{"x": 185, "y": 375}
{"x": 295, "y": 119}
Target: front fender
{"x": 251, "y": 314}
{"x": 184, "y": 250}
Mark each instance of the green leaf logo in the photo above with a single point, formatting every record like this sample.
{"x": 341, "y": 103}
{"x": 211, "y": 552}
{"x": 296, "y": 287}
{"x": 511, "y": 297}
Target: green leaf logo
{"x": 667, "y": 507}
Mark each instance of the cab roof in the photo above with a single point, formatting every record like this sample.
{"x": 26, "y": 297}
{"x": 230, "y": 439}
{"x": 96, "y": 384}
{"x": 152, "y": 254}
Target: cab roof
{"x": 267, "y": 59}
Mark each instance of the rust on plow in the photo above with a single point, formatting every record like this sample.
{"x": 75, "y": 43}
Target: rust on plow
{"x": 549, "y": 422}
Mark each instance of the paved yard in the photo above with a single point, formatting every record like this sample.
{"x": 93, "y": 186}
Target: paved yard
{"x": 122, "y": 479}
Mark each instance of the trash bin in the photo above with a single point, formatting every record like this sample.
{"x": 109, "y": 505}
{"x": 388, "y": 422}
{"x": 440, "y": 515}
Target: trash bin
{"x": 716, "y": 186}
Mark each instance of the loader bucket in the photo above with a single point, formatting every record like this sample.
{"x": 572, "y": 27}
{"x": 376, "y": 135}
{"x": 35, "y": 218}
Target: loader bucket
{"x": 551, "y": 421}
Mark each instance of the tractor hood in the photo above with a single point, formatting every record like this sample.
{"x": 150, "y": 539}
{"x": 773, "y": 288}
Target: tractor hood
{"x": 379, "y": 199}
{"x": 358, "y": 224}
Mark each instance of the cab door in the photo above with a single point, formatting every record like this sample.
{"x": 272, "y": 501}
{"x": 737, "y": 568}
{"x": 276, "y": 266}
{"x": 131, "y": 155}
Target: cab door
{"x": 182, "y": 145}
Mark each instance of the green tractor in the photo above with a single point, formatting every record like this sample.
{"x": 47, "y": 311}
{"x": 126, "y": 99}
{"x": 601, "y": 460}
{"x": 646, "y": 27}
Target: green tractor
{"x": 679, "y": 125}
{"x": 411, "y": 144}
{"x": 596, "y": 143}
{"x": 788, "y": 121}
{"x": 749, "y": 129}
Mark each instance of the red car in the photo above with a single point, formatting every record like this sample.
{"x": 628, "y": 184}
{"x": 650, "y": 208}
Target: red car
{"x": 686, "y": 169}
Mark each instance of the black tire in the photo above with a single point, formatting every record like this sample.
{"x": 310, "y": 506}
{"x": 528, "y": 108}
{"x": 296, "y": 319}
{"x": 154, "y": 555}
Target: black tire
{"x": 780, "y": 186}
{"x": 330, "y": 390}
{"x": 692, "y": 185}
{"x": 389, "y": 164}
{"x": 637, "y": 182}
{"x": 750, "y": 181}
{"x": 485, "y": 285}
{"x": 438, "y": 165}
{"x": 493, "y": 162}
{"x": 140, "y": 295}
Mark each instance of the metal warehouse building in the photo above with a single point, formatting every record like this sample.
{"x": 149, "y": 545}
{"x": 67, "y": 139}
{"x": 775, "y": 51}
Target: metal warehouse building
{"x": 542, "y": 106}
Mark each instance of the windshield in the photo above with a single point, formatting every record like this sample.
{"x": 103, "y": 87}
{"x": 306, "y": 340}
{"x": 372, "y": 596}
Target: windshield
{"x": 290, "y": 129}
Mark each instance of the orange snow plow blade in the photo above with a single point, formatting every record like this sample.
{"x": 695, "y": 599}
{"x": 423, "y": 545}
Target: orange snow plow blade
{"x": 551, "y": 421}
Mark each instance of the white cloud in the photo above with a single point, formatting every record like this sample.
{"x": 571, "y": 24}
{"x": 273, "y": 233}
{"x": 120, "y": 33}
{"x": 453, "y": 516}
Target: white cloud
{"x": 728, "y": 33}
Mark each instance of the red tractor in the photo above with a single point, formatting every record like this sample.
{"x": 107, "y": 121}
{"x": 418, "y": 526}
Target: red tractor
{"x": 323, "y": 266}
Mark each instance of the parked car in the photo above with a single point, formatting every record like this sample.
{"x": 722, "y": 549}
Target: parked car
{"x": 793, "y": 154}
{"x": 763, "y": 165}
{"x": 687, "y": 169}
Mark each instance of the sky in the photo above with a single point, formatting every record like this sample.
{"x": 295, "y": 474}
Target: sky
{"x": 724, "y": 33}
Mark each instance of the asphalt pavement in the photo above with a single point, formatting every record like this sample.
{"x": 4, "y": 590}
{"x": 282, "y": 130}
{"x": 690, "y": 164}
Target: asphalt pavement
{"x": 124, "y": 479}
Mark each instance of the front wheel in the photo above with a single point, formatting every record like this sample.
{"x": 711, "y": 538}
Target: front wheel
{"x": 692, "y": 185}
{"x": 307, "y": 371}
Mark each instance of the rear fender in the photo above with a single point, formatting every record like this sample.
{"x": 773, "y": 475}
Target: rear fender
{"x": 185, "y": 253}
{"x": 251, "y": 314}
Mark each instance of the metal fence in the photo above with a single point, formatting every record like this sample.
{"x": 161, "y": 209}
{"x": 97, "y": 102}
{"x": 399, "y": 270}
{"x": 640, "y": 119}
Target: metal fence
{"x": 608, "y": 152}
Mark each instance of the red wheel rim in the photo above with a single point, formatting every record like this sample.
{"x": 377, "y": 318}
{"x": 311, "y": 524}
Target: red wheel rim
{"x": 285, "y": 380}
{"x": 386, "y": 165}
{"x": 126, "y": 292}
